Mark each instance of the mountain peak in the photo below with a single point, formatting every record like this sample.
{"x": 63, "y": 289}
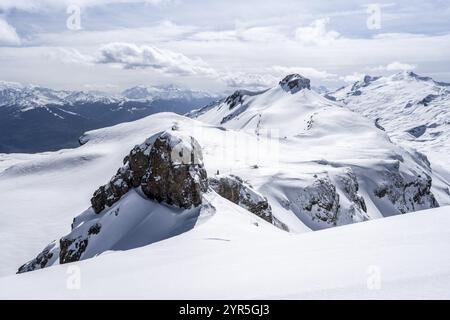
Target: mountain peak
{"x": 294, "y": 82}
{"x": 408, "y": 75}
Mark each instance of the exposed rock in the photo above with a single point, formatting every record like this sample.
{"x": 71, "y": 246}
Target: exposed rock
{"x": 72, "y": 249}
{"x": 43, "y": 259}
{"x": 95, "y": 229}
{"x": 167, "y": 166}
{"x": 428, "y": 99}
{"x": 321, "y": 200}
{"x": 378, "y": 125}
{"x": 236, "y": 98}
{"x": 350, "y": 187}
{"x": 417, "y": 131}
{"x": 176, "y": 174}
{"x": 233, "y": 188}
{"x": 407, "y": 193}
{"x": 293, "y": 83}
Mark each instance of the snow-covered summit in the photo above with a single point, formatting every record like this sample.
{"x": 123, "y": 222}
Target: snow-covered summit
{"x": 294, "y": 82}
{"x": 414, "y": 110}
{"x": 26, "y": 97}
{"x": 297, "y": 161}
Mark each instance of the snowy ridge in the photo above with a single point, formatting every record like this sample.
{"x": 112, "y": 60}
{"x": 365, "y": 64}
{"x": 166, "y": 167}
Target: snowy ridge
{"x": 414, "y": 110}
{"x": 325, "y": 166}
{"x": 285, "y": 157}
{"x": 149, "y": 93}
{"x": 28, "y": 97}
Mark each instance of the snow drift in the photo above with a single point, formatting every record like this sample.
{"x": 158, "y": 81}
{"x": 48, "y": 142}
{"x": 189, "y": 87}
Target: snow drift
{"x": 302, "y": 162}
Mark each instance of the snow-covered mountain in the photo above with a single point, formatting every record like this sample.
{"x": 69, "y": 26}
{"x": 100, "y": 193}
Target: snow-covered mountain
{"x": 150, "y": 93}
{"x": 414, "y": 110}
{"x": 244, "y": 179}
{"x": 286, "y": 159}
{"x": 27, "y": 97}
{"x": 36, "y": 119}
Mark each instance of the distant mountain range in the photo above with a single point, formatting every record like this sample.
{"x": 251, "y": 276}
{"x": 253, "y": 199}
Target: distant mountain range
{"x": 36, "y": 119}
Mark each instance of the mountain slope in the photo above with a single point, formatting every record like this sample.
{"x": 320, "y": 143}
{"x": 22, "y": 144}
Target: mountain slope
{"x": 414, "y": 110}
{"x": 336, "y": 170}
{"x": 402, "y": 257}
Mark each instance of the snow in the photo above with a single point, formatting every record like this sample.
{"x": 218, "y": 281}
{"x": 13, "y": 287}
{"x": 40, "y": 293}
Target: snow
{"x": 231, "y": 257}
{"x": 414, "y": 110}
{"x": 149, "y": 93}
{"x": 42, "y": 193}
{"x": 286, "y": 146}
{"x": 29, "y": 97}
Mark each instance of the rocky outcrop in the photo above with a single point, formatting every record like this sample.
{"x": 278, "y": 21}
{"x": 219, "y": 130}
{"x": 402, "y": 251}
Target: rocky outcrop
{"x": 328, "y": 200}
{"x": 293, "y": 83}
{"x": 234, "y": 189}
{"x": 167, "y": 167}
{"x": 407, "y": 193}
{"x": 350, "y": 187}
{"x": 43, "y": 259}
{"x": 321, "y": 200}
{"x": 176, "y": 174}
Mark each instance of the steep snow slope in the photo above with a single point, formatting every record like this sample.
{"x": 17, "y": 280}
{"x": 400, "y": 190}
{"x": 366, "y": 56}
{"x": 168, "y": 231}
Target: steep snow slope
{"x": 414, "y": 110}
{"x": 229, "y": 256}
{"x": 338, "y": 170}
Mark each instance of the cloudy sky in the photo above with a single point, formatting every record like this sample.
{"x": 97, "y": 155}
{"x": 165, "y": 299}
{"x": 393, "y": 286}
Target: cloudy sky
{"x": 218, "y": 45}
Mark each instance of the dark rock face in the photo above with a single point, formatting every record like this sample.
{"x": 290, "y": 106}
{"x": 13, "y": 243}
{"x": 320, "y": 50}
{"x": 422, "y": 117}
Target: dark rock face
{"x": 176, "y": 174}
{"x": 233, "y": 188}
{"x": 294, "y": 83}
{"x": 350, "y": 187}
{"x": 235, "y": 99}
{"x": 43, "y": 259}
{"x": 321, "y": 200}
{"x": 417, "y": 131}
{"x": 168, "y": 167}
{"x": 71, "y": 249}
{"x": 408, "y": 194}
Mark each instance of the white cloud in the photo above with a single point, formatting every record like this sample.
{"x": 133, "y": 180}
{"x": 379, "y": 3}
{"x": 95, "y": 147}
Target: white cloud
{"x": 241, "y": 80}
{"x": 316, "y": 33}
{"x": 36, "y": 5}
{"x": 242, "y": 33}
{"x": 395, "y": 66}
{"x": 355, "y": 76}
{"x": 399, "y": 66}
{"x": 8, "y": 35}
{"x": 304, "y": 71}
{"x": 132, "y": 56}
{"x": 69, "y": 55}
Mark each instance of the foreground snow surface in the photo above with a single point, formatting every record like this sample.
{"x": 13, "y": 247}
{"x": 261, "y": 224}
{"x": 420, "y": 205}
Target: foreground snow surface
{"x": 234, "y": 254}
{"x": 40, "y": 194}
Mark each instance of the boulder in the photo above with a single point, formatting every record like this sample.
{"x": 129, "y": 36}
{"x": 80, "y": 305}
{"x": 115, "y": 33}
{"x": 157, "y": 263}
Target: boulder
{"x": 176, "y": 174}
{"x": 168, "y": 167}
